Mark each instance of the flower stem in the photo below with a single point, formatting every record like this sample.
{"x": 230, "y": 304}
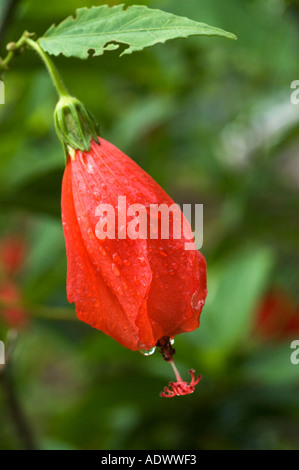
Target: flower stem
{"x": 56, "y": 79}
{"x": 26, "y": 39}
{"x": 42, "y": 311}
{"x": 12, "y": 48}
{"x": 53, "y": 313}
{"x": 176, "y": 372}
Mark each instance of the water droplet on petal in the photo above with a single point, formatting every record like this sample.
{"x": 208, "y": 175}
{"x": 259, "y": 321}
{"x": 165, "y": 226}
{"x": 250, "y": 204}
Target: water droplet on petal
{"x": 89, "y": 168}
{"x": 102, "y": 251}
{"x": 117, "y": 258}
{"x": 148, "y": 352}
{"x": 115, "y": 269}
{"x": 84, "y": 158}
{"x": 127, "y": 263}
{"x": 162, "y": 252}
{"x": 142, "y": 261}
{"x": 197, "y": 301}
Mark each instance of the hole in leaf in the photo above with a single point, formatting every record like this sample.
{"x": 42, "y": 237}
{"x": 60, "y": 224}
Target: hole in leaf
{"x": 113, "y": 45}
{"x": 91, "y": 52}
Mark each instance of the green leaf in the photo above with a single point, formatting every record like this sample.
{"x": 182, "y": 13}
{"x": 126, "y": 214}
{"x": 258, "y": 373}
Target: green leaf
{"x": 101, "y": 28}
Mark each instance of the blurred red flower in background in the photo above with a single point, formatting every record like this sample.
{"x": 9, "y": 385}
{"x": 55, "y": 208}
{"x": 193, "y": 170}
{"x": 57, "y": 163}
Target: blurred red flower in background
{"x": 12, "y": 252}
{"x": 11, "y": 310}
{"x": 277, "y": 316}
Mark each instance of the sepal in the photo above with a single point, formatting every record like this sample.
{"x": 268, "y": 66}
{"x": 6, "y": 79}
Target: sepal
{"x": 75, "y": 125}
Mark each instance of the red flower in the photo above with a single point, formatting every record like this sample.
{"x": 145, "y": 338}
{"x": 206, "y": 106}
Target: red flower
{"x": 180, "y": 387}
{"x": 11, "y": 310}
{"x": 277, "y": 316}
{"x": 12, "y": 250}
{"x": 12, "y": 253}
{"x": 134, "y": 290}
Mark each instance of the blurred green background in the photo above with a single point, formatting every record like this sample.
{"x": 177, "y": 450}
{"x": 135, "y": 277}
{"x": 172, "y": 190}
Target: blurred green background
{"x": 211, "y": 120}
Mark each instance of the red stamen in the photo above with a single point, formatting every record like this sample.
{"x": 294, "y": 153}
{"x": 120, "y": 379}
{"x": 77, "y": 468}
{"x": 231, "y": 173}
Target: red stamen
{"x": 180, "y": 387}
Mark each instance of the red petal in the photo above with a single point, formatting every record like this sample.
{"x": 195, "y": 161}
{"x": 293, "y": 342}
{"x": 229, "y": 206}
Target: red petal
{"x": 91, "y": 285}
{"x": 145, "y": 289}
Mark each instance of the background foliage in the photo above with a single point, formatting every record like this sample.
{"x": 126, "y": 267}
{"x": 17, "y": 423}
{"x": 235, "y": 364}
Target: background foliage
{"x": 211, "y": 121}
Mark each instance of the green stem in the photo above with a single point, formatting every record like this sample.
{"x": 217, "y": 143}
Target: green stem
{"x": 25, "y": 39}
{"x": 57, "y": 81}
{"x": 53, "y": 313}
{"x": 42, "y": 311}
{"x": 74, "y": 124}
{"x": 12, "y": 49}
